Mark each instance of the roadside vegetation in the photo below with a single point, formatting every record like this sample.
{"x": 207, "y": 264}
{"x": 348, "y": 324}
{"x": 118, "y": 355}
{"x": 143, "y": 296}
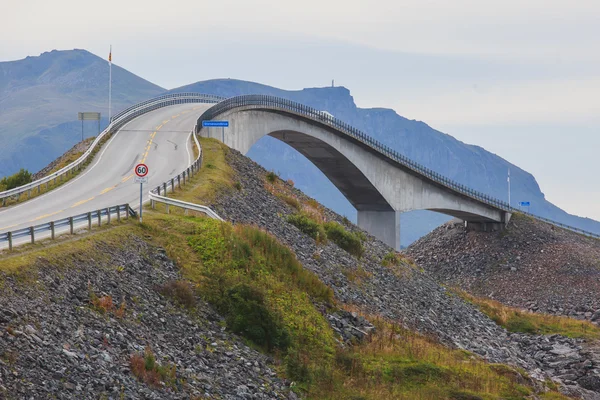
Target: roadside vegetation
{"x": 515, "y": 320}
{"x": 267, "y": 297}
{"x": 23, "y": 176}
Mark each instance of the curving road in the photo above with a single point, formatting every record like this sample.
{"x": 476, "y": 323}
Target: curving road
{"x": 160, "y": 139}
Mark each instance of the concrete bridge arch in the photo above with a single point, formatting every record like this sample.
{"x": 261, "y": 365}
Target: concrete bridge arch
{"x": 379, "y": 187}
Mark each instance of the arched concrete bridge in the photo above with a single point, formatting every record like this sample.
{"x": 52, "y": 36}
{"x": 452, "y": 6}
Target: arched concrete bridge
{"x": 377, "y": 181}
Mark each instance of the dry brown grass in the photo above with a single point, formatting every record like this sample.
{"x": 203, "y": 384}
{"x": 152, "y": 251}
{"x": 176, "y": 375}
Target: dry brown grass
{"x": 516, "y": 320}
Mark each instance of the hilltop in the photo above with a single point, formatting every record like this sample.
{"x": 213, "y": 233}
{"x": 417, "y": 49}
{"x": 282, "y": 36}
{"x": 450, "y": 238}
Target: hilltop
{"x": 40, "y": 97}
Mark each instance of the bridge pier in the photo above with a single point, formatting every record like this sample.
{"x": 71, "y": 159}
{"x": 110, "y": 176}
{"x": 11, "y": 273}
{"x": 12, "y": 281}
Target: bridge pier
{"x": 384, "y": 225}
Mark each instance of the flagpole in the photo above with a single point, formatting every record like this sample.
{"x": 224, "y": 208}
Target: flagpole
{"x": 509, "y": 186}
{"x": 110, "y": 84}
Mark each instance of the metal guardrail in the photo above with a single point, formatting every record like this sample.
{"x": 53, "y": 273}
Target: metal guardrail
{"x": 116, "y": 123}
{"x": 71, "y": 222}
{"x": 155, "y": 194}
{"x": 272, "y": 103}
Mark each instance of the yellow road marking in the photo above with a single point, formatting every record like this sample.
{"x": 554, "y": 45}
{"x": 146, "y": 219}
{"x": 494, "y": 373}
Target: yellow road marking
{"x": 108, "y": 189}
{"x": 82, "y": 202}
{"x": 46, "y": 215}
{"x": 174, "y": 116}
{"x": 126, "y": 178}
{"x": 6, "y": 227}
{"x": 159, "y": 126}
{"x": 165, "y": 121}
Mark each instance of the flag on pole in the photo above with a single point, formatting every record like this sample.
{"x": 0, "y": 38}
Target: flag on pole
{"x": 110, "y": 55}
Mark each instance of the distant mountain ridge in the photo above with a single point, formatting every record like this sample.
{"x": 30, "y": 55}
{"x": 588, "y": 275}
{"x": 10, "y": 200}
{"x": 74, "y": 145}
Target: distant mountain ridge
{"x": 37, "y": 94}
{"x": 40, "y": 97}
{"x": 470, "y": 165}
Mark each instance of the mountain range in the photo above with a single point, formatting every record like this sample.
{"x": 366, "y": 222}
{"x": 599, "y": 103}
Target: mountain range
{"x": 40, "y": 98}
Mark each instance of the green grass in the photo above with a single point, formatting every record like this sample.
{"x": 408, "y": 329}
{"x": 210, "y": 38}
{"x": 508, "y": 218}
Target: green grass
{"x": 515, "y": 320}
{"x": 322, "y": 232}
{"x": 215, "y": 175}
{"x": 266, "y": 295}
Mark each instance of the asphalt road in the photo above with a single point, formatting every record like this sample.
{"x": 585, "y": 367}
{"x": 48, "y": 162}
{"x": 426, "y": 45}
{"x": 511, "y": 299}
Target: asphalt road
{"x": 159, "y": 139}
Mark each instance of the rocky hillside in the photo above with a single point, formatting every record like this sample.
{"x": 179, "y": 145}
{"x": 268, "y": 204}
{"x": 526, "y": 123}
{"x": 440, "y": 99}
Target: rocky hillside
{"x": 73, "y": 323}
{"x": 531, "y": 265}
{"x": 319, "y": 310}
{"x": 408, "y": 295}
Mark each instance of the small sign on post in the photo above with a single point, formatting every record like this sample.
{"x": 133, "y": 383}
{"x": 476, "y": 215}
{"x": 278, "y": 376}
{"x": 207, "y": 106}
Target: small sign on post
{"x": 525, "y": 204}
{"x": 217, "y": 124}
{"x": 141, "y": 170}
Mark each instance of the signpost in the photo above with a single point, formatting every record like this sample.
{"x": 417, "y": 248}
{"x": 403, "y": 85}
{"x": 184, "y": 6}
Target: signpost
{"x": 141, "y": 170}
{"x": 525, "y": 204}
{"x": 216, "y": 124}
{"x": 88, "y": 116}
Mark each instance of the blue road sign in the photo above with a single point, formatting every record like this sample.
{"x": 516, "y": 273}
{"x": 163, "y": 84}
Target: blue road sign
{"x": 525, "y": 203}
{"x": 212, "y": 124}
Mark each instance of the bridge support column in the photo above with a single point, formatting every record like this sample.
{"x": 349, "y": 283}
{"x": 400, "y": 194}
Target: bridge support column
{"x": 384, "y": 225}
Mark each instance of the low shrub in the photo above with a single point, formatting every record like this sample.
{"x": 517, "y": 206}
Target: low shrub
{"x": 291, "y": 201}
{"x": 308, "y": 226}
{"x": 180, "y": 291}
{"x": 271, "y": 176}
{"x": 344, "y": 239}
{"x": 20, "y": 178}
{"x": 247, "y": 315}
{"x": 147, "y": 370}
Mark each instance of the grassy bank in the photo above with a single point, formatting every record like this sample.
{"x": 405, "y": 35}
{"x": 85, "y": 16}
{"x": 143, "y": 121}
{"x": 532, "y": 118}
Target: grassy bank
{"x": 515, "y": 320}
{"x": 267, "y": 297}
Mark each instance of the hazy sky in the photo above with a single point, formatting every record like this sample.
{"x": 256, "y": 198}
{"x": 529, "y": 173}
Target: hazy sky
{"x": 520, "y": 78}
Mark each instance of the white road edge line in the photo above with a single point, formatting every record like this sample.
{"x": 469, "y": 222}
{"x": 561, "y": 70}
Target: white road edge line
{"x": 74, "y": 180}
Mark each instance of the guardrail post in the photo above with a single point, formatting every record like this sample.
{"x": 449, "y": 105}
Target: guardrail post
{"x": 179, "y": 181}
{"x": 32, "y": 233}
{"x": 52, "y": 230}
{"x": 9, "y": 237}
{"x": 108, "y": 215}
{"x": 46, "y": 186}
{"x": 152, "y": 204}
{"x": 39, "y": 188}
{"x": 118, "y": 213}
{"x": 183, "y": 173}
{"x": 99, "y": 217}
{"x": 165, "y": 187}
{"x": 89, "y": 221}
{"x": 29, "y": 193}
{"x": 71, "y": 225}
{"x": 158, "y": 188}
{"x": 126, "y": 211}
{"x": 167, "y": 208}
{"x": 4, "y": 202}
{"x": 172, "y": 185}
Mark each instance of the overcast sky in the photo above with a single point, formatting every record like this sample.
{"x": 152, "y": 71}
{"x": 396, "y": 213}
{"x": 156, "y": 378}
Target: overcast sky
{"x": 520, "y": 78}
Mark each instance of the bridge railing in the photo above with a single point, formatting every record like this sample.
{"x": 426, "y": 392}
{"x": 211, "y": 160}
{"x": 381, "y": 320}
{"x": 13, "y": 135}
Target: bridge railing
{"x": 72, "y": 223}
{"x": 116, "y": 123}
{"x": 276, "y": 103}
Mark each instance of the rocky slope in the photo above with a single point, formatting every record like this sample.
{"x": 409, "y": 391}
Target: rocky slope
{"x": 410, "y": 296}
{"x": 531, "y": 265}
{"x": 55, "y": 344}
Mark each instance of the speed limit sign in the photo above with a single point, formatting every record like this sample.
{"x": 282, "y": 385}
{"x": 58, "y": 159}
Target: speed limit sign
{"x": 141, "y": 170}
